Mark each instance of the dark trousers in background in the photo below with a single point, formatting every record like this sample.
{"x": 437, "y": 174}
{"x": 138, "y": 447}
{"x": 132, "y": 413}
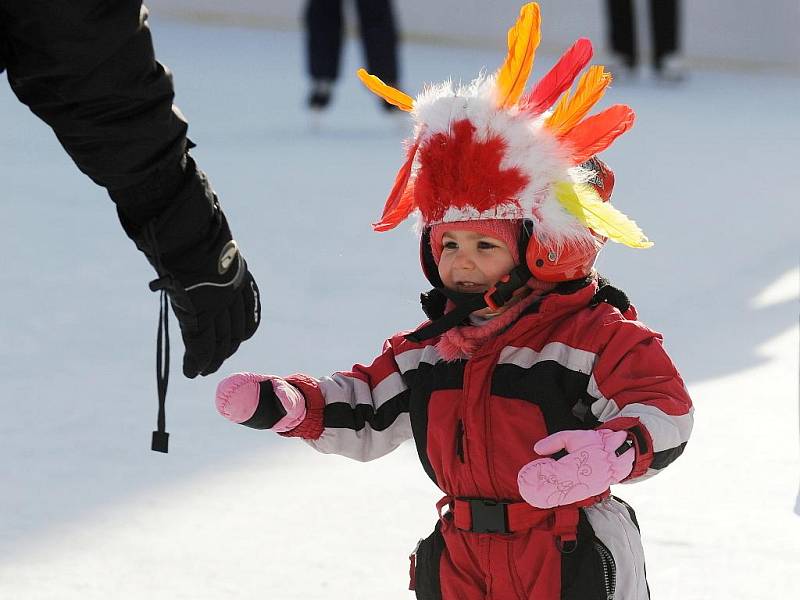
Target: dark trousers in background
{"x": 325, "y": 28}
{"x": 663, "y": 24}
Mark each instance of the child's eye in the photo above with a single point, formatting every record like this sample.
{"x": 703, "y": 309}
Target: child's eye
{"x": 451, "y": 245}
{"x": 486, "y": 245}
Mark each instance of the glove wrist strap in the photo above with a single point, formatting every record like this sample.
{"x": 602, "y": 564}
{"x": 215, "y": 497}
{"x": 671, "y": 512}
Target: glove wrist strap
{"x": 160, "y": 439}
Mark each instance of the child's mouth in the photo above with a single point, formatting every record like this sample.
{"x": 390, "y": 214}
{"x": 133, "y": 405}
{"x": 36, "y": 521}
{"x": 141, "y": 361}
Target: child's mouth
{"x": 470, "y": 287}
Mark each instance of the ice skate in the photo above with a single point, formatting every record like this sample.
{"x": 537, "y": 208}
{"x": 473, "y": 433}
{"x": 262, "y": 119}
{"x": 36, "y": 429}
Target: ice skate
{"x": 319, "y": 99}
{"x": 670, "y": 70}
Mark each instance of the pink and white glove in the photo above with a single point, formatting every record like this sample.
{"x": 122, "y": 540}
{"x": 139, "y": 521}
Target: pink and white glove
{"x": 590, "y": 467}
{"x": 261, "y": 402}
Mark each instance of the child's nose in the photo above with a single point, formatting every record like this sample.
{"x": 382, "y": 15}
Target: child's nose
{"x": 463, "y": 260}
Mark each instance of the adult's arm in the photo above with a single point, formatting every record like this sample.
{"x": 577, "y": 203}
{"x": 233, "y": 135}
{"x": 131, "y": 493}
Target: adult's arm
{"x": 88, "y": 69}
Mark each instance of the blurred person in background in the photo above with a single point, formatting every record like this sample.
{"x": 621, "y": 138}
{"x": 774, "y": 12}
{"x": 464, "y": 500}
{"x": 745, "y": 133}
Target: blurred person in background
{"x": 324, "y": 32}
{"x": 665, "y": 35}
{"x": 87, "y": 68}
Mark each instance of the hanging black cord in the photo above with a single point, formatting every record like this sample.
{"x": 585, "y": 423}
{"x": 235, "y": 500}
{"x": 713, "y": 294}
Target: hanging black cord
{"x": 160, "y": 440}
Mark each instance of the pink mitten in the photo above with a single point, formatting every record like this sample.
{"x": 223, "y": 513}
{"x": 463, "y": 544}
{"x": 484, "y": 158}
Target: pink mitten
{"x": 589, "y": 468}
{"x": 261, "y": 401}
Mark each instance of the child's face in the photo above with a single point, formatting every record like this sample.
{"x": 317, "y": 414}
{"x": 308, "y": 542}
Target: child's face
{"x": 473, "y": 262}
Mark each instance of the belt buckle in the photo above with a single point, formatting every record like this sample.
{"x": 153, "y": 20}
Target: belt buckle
{"x": 488, "y": 516}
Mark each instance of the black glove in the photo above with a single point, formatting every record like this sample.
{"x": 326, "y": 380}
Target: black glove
{"x": 176, "y": 220}
{"x": 217, "y": 308}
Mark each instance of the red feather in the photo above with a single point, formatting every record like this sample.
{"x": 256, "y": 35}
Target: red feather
{"x": 559, "y": 78}
{"x": 598, "y": 132}
{"x": 399, "y": 204}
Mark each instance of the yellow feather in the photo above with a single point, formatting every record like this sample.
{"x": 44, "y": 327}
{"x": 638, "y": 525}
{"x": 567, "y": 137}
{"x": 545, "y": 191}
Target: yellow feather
{"x": 387, "y": 92}
{"x": 584, "y": 203}
{"x": 571, "y": 109}
{"x": 523, "y": 39}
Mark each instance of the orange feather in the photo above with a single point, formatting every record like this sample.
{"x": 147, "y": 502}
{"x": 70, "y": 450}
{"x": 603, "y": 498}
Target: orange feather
{"x": 598, "y": 132}
{"x": 571, "y": 109}
{"x": 391, "y": 95}
{"x": 523, "y": 39}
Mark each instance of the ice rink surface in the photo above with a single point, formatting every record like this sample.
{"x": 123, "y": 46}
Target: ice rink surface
{"x": 88, "y": 512}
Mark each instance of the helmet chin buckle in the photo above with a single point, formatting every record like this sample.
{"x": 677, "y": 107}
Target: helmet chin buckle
{"x": 489, "y": 296}
{"x": 489, "y": 302}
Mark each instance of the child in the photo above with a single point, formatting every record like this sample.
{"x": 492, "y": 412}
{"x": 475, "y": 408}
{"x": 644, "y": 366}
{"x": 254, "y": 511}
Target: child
{"x": 532, "y": 387}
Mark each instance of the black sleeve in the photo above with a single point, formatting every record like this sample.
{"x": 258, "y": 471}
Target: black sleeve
{"x": 88, "y": 69}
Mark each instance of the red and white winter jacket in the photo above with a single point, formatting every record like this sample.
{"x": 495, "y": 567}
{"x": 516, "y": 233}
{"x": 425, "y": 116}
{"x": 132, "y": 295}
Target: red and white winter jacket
{"x": 561, "y": 365}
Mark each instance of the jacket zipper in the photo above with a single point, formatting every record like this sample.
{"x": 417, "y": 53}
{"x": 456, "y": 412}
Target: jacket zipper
{"x": 609, "y": 569}
{"x": 460, "y": 440}
{"x": 487, "y": 420}
{"x": 467, "y": 388}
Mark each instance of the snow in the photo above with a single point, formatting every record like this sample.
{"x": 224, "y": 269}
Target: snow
{"x": 87, "y": 511}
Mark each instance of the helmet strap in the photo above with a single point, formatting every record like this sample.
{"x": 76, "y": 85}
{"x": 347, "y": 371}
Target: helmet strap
{"x": 467, "y": 303}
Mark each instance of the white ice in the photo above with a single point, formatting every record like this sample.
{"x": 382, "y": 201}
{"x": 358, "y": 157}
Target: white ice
{"x": 88, "y": 512}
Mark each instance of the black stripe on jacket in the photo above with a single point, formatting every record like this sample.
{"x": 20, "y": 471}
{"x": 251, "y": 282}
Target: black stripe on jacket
{"x": 559, "y": 392}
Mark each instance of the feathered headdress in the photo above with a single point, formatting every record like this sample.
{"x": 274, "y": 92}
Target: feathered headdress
{"x": 488, "y": 150}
